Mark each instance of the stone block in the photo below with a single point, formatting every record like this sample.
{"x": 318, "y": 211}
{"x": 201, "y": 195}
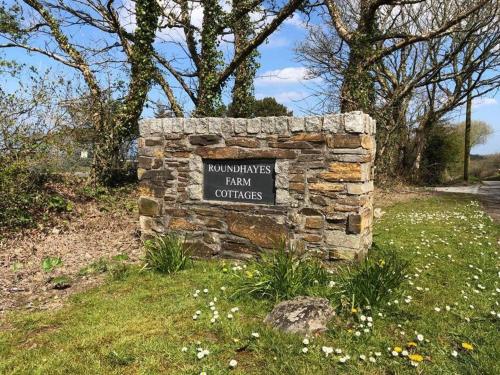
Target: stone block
{"x": 282, "y": 196}
{"x": 243, "y": 142}
{"x": 177, "y": 125}
{"x": 354, "y": 122}
{"x": 151, "y": 225}
{"x": 239, "y": 153}
{"x": 190, "y": 125}
{"x": 314, "y": 222}
{"x": 333, "y": 123}
{"x": 260, "y": 230}
{"x": 179, "y": 223}
{"x": 313, "y": 124}
{"x": 149, "y": 206}
{"x": 340, "y": 171}
{"x": 204, "y": 140}
{"x": 325, "y": 186}
{"x": 342, "y": 239}
{"x": 240, "y": 125}
{"x": 308, "y": 137}
{"x": 281, "y": 125}
{"x": 296, "y": 124}
{"x": 202, "y": 126}
{"x": 215, "y": 125}
{"x": 253, "y": 125}
{"x": 359, "y": 188}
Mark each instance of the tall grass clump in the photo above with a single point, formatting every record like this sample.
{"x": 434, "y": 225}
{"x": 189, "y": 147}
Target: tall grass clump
{"x": 282, "y": 274}
{"x": 374, "y": 281}
{"x": 167, "y": 254}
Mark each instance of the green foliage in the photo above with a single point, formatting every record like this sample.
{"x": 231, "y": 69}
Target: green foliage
{"x": 372, "y": 283}
{"x": 265, "y": 107}
{"x": 167, "y": 254}
{"x": 59, "y": 204}
{"x": 116, "y": 268}
{"x": 60, "y": 282}
{"x": 281, "y": 274}
{"x": 443, "y": 153}
{"x": 99, "y": 266}
{"x": 49, "y": 263}
{"x": 479, "y": 133}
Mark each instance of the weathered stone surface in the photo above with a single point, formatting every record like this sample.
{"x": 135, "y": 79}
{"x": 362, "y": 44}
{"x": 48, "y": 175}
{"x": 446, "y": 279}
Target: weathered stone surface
{"x": 239, "y": 153}
{"x": 326, "y": 186}
{"x": 341, "y": 253}
{"x": 360, "y": 188}
{"x": 179, "y": 223}
{"x": 332, "y": 123}
{"x": 318, "y": 199}
{"x": 339, "y": 171}
{"x": 151, "y": 225}
{"x": 154, "y": 141}
{"x": 296, "y": 124}
{"x": 314, "y": 222}
{"x": 243, "y": 142}
{"x": 157, "y": 176}
{"x": 305, "y": 315}
{"x": 354, "y": 122}
{"x": 253, "y": 126}
{"x": 342, "y": 239}
{"x": 201, "y": 250}
{"x": 260, "y": 230}
{"x": 238, "y": 250}
{"x": 344, "y": 141}
{"x": 204, "y": 140}
{"x": 149, "y": 206}
{"x": 290, "y": 144}
{"x": 313, "y": 123}
{"x": 316, "y": 238}
{"x": 297, "y": 186}
{"x": 368, "y": 142}
{"x": 145, "y": 162}
{"x": 308, "y": 137}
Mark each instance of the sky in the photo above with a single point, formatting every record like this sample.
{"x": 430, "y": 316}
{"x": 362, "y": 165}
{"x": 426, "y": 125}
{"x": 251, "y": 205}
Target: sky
{"x": 283, "y": 77}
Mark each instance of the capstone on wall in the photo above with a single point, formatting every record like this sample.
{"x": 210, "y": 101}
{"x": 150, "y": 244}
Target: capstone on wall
{"x": 323, "y": 183}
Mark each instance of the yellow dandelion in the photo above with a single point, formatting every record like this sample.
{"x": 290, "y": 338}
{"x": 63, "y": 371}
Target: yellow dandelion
{"x": 467, "y": 346}
{"x": 412, "y": 344}
{"x": 416, "y": 357}
{"x": 354, "y": 310}
{"x": 397, "y": 349}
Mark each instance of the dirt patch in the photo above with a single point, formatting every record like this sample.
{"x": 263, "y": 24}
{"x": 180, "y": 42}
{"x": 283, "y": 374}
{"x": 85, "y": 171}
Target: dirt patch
{"x": 93, "y": 231}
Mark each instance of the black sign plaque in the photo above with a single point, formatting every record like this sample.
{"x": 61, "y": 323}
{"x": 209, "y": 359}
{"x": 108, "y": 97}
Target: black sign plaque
{"x": 242, "y": 180}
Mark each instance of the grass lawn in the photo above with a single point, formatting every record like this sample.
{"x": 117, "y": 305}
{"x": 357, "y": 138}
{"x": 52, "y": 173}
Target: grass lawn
{"x": 139, "y": 324}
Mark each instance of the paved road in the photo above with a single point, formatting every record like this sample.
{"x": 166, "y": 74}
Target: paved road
{"x": 488, "y": 193}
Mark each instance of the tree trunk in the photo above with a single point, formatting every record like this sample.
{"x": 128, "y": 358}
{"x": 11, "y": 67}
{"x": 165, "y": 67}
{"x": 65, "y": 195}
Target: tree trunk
{"x": 468, "y": 125}
{"x": 209, "y": 91}
{"x": 358, "y": 92}
{"x": 243, "y": 89}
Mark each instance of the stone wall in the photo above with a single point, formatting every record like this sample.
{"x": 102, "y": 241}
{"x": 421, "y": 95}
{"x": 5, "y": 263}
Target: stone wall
{"x": 324, "y": 183}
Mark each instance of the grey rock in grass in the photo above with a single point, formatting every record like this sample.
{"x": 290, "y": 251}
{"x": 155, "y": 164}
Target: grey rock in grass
{"x": 301, "y": 315}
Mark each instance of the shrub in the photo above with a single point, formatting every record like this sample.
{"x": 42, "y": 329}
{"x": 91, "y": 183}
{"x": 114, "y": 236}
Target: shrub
{"x": 49, "y": 263}
{"x": 372, "y": 282}
{"x": 282, "y": 274}
{"x": 166, "y": 254}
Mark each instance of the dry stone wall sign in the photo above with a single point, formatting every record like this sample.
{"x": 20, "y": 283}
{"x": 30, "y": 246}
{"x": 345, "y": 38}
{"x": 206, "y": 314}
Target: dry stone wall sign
{"x": 236, "y": 187}
{"x": 247, "y": 180}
